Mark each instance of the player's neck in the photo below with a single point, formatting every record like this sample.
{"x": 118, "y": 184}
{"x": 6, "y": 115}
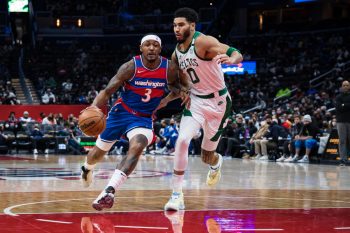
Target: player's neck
{"x": 186, "y": 44}
{"x": 151, "y": 65}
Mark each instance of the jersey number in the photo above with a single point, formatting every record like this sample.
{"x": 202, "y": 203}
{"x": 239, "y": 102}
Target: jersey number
{"x": 193, "y": 75}
{"x": 147, "y": 95}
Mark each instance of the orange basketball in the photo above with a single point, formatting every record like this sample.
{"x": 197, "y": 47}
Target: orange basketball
{"x": 92, "y": 121}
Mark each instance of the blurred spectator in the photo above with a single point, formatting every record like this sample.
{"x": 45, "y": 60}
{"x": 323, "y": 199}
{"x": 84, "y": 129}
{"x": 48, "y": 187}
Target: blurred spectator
{"x": 38, "y": 140}
{"x": 48, "y": 97}
{"x": 25, "y": 118}
{"x": 92, "y": 94}
{"x": 306, "y": 138}
{"x": 343, "y": 122}
{"x": 49, "y": 120}
{"x": 67, "y": 85}
{"x": 41, "y": 117}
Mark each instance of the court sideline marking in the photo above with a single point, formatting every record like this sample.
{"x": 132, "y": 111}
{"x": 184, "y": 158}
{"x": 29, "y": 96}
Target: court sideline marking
{"x": 8, "y": 210}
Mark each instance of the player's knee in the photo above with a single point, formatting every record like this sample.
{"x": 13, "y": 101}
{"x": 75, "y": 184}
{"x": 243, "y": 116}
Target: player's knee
{"x": 183, "y": 141}
{"x": 138, "y": 142}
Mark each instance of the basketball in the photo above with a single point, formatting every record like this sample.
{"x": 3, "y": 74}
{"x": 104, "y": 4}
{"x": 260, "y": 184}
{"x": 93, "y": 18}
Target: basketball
{"x": 92, "y": 121}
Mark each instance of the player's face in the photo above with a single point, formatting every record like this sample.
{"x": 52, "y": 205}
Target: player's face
{"x": 182, "y": 29}
{"x": 150, "y": 50}
{"x": 346, "y": 86}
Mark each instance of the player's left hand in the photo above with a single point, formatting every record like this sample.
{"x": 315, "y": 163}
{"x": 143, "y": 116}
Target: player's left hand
{"x": 224, "y": 59}
{"x": 186, "y": 100}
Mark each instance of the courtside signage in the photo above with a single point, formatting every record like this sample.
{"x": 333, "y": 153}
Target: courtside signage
{"x": 241, "y": 68}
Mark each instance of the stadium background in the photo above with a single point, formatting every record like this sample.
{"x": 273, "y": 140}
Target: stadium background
{"x": 53, "y": 52}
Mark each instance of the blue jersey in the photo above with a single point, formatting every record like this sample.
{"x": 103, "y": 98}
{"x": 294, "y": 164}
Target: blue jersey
{"x": 144, "y": 91}
{"x": 140, "y": 96}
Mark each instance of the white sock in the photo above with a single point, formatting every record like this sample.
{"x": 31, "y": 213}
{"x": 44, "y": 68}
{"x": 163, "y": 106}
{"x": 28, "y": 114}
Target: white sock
{"x": 217, "y": 165}
{"x": 177, "y": 183}
{"x": 89, "y": 166}
{"x": 117, "y": 179}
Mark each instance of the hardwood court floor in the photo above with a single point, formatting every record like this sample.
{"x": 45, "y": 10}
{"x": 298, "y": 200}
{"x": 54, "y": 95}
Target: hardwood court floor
{"x": 44, "y": 194}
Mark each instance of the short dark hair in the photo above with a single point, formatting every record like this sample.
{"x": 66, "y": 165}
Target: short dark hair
{"x": 188, "y": 13}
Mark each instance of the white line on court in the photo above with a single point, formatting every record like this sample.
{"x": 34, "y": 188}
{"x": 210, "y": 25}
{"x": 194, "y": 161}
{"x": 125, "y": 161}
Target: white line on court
{"x": 341, "y": 228}
{"x": 8, "y": 210}
{"x": 142, "y": 227}
{"x": 54, "y": 221}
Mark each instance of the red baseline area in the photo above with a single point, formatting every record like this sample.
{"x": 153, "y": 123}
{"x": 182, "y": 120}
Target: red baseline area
{"x": 287, "y": 220}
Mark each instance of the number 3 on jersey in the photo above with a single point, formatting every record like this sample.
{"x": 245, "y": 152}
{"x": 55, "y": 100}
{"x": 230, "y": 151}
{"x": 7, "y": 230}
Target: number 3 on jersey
{"x": 193, "y": 75}
{"x": 147, "y": 96}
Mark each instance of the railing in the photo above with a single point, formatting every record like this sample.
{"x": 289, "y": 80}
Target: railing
{"x": 252, "y": 109}
{"x": 320, "y": 79}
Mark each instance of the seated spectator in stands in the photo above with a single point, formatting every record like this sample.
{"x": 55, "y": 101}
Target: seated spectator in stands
{"x": 306, "y": 138}
{"x": 74, "y": 145}
{"x": 48, "y": 97}
{"x": 67, "y": 86}
{"x": 49, "y": 120}
{"x": 71, "y": 119}
{"x": 234, "y": 134}
{"x": 38, "y": 140}
{"x": 59, "y": 119}
{"x": 92, "y": 94}
{"x": 259, "y": 140}
{"x": 11, "y": 98}
{"x": 41, "y": 117}
{"x": 12, "y": 123}
{"x": 3, "y": 137}
{"x": 25, "y": 118}
{"x": 288, "y": 145}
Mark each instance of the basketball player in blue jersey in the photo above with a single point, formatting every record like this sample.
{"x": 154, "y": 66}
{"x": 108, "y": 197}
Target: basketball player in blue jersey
{"x": 144, "y": 79}
{"x": 199, "y": 58}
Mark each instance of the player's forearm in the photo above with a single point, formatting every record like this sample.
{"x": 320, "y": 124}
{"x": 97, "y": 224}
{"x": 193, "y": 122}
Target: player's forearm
{"x": 101, "y": 99}
{"x": 172, "y": 96}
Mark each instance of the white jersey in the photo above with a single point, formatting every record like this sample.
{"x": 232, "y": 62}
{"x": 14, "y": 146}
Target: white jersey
{"x": 206, "y": 75}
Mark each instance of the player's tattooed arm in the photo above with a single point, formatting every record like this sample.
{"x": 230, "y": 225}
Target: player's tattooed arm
{"x": 125, "y": 72}
{"x": 177, "y": 84}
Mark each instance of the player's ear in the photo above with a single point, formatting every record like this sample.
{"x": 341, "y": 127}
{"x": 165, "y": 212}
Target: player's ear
{"x": 193, "y": 26}
{"x": 141, "y": 48}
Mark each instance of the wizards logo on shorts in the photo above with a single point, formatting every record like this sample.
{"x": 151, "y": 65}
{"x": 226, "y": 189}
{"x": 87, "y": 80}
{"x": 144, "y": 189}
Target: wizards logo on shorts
{"x": 145, "y": 90}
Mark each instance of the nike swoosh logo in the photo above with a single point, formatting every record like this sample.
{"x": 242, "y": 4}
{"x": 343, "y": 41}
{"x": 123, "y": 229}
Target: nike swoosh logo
{"x": 140, "y": 71}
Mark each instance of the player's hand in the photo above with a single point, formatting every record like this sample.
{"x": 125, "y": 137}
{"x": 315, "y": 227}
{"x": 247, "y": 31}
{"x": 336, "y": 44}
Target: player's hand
{"x": 224, "y": 59}
{"x": 186, "y": 100}
{"x": 297, "y": 137}
{"x": 91, "y": 107}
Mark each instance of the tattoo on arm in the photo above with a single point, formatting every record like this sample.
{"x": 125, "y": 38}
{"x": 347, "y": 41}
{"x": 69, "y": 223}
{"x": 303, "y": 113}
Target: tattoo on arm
{"x": 125, "y": 72}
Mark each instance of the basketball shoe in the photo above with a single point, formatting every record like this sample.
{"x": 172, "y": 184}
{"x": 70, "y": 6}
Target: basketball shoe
{"x": 105, "y": 200}
{"x": 86, "y": 176}
{"x": 176, "y": 202}
{"x": 214, "y": 175}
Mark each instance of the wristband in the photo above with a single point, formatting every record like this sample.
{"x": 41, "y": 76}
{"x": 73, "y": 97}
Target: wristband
{"x": 231, "y": 50}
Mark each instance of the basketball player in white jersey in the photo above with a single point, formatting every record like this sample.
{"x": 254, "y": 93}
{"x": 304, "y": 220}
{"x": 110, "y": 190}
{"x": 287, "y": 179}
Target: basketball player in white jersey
{"x": 199, "y": 57}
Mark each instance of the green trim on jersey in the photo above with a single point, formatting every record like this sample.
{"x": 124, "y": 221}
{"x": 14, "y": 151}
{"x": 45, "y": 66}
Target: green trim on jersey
{"x": 186, "y": 112}
{"x": 226, "y": 115}
{"x": 196, "y": 34}
{"x": 212, "y": 95}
